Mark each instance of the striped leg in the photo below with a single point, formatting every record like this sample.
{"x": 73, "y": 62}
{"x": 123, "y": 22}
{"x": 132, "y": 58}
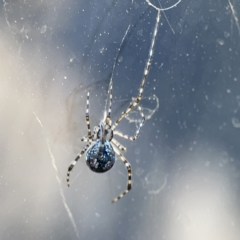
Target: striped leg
{"x": 74, "y": 163}
{"x": 141, "y": 112}
{"x": 145, "y": 74}
{"x": 87, "y": 116}
{"x": 110, "y": 99}
{"x": 113, "y": 68}
{"x": 108, "y": 119}
{"x": 85, "y": 139}
{"x": 134, "y": 137}
{"x": 130, "y": 108}
{"x": 119, "y": 145}
{"x": 129, "y": 184}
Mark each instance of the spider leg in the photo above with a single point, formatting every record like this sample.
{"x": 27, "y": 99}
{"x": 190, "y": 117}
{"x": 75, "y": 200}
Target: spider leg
{"x": 119, "y": 145}
{"x": 141, "y": 112}
{"x": 74, "y": 163}
{"x": 87, "y": 115}
{"x": 131, "y": 107}
{"x": 108, "y": 119}
{"x": 85, "y": 139}
{"x": 129, "y": 183}
{"x": 145, "y": 74}
{"x": 134, "y": 137}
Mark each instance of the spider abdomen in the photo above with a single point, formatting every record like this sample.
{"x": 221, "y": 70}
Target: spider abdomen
{"x": 103, "y": 162}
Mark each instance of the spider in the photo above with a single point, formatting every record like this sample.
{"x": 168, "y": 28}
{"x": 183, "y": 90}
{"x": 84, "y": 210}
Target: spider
{"x": 101, "y": 145}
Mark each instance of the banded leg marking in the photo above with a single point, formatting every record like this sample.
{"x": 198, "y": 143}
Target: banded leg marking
{"x": 145, "y": 74}
{"x": 85, "y": 139}
{"x": 131, "y": 106}
{"x": 87, "y": 115}
{"x": 129, "y": 169}
{"x": 110, "y": 100}
{"x": 70, "y": 168}
{"x": 136, "y": 135}
{"x": 119, "y": 145}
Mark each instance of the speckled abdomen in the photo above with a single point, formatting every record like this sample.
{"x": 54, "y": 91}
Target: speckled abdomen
{"x": 101, "y": 163}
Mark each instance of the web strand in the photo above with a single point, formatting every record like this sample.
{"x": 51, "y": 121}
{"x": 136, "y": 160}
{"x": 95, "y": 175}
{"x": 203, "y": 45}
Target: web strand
{"x": 70, "y": 215}
{"x": 163, "y": 9}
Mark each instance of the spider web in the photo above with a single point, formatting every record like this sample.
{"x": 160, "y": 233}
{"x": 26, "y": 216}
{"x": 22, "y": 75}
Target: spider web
{"x": 21, "y": 36}
{"x": 53, "y": 51}
{"x": 54, "y": 165}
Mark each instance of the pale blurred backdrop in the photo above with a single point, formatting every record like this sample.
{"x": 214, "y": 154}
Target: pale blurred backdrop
{"x": 186, "y": 162}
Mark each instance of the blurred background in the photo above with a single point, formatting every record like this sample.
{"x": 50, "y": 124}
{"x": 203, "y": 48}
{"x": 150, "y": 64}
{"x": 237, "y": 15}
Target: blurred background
{"x": 186, "y": 164}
